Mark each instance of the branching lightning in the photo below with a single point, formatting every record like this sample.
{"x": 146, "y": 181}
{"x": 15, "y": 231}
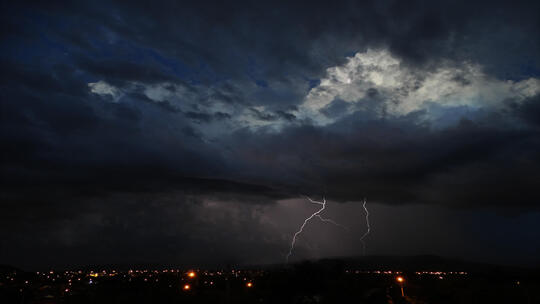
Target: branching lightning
{"x": 327, "y": 220}
{"x": 316, "y": 214}
{"x": 368, "y": 227}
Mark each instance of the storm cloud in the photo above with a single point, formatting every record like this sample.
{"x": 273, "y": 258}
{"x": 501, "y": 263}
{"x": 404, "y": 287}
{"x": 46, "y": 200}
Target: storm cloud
{"x": 249, "y": 103}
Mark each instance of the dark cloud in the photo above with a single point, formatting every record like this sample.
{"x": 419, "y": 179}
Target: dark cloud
{"x": 221, "y": 115}
{"x": 528, "y": 110}
{"x": 260, "y": 115}
{"x": 471, "y": 164}
{"x": 285, "y": 115}
{"x": 126, "y": 228}
{"x": 165, "y": 105}
{"x": 199, "y": 117}
{"x": 337, "y": 108}
{"x": 119, "y": 71}
{"x": 68, "y": 151}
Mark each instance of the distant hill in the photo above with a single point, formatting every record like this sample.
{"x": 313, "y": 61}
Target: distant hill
{"x": 418, "y": 263}
{"x": 8, "y": 269}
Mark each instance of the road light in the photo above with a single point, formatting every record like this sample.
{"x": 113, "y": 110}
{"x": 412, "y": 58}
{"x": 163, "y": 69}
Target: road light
{"x": 400, "y": 280}
{"x": 187, "y": 287}
{"x": 191, "y": 274}
{"x": 249, "y": 284}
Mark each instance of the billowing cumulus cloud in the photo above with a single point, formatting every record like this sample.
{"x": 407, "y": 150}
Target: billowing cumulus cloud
{"x": 375, "y": 78}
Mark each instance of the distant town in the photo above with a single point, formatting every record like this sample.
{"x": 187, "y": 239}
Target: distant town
{"x": 305, "y": 282}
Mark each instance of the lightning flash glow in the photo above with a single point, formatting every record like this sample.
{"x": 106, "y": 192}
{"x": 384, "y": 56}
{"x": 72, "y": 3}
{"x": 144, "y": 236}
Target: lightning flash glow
{"x": 368, "y": 227}
{"x": 316, "y": 214}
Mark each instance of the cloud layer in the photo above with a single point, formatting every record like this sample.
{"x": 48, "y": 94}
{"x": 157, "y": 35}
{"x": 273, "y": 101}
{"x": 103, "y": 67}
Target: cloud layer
{"x": 253, "y": 103}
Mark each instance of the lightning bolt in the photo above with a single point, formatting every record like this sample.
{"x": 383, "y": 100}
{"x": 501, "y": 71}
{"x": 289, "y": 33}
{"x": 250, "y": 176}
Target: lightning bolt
{"x": 327, "y": 220}
{"x": 316, "y": 214}
{"x": 368, "y": 227}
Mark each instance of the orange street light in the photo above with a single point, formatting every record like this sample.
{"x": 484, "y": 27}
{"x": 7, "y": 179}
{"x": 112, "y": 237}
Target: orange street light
{"x": 187, "y": 287}
{"x": 191, "y": 274}
{"x": 400, "y": 279}
{"x": 249, "y": 284}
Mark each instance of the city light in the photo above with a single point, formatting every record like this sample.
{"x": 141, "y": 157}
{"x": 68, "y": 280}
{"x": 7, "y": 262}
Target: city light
{"x": 400, "y": 279}
{"x": 193, "y": 283}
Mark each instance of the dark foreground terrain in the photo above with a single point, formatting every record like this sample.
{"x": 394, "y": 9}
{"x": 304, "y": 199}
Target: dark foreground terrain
{"x": 425, "y": 280}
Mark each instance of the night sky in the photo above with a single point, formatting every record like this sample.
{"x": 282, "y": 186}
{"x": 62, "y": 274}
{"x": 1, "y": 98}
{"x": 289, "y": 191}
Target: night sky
{"x": 187, "y": 134}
